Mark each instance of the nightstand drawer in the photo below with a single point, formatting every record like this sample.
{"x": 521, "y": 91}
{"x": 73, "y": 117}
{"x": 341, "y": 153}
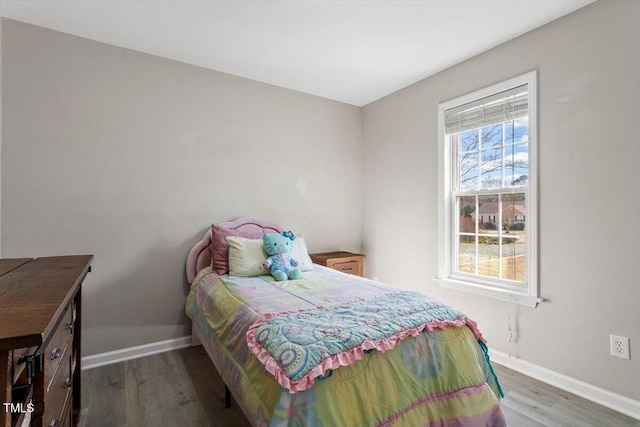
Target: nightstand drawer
{"x": 351, "y": 267}
{"x": 346, "y": 262}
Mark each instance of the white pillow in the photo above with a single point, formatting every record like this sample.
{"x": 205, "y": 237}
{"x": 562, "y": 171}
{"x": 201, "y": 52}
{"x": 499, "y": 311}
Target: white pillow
{"x": 299, "y": 253}
{"x": 246, "y": 257}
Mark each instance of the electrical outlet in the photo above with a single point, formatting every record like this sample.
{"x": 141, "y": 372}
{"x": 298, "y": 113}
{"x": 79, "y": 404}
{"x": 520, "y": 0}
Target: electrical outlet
{"x": 619, "y": 346}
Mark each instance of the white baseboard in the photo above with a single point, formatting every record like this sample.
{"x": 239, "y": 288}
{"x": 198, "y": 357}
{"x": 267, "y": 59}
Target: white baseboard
{"x": 116, "y": 356}
{"x": 595, "y": 394}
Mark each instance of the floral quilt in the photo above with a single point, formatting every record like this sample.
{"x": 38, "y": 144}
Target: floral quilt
{"x": 300, "y": 346}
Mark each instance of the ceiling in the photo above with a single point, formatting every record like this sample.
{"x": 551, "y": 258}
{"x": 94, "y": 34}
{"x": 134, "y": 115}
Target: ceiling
{"x": 349, "y": 51}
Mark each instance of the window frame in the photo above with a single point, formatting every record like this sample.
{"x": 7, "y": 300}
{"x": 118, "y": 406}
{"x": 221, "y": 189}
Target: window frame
{"x": 527, "y": 295}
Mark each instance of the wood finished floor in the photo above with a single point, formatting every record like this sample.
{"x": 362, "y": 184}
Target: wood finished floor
{"x": 182, "y": 388}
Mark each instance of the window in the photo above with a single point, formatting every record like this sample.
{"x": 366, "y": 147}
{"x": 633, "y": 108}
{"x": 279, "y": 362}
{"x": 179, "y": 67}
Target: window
{"x": 488, "y": 198}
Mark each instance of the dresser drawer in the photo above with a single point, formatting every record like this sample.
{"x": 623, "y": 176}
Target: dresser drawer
{"x": 59, "y": 395}
{"x": 66, "y": 414}
{"x": 58, "y": 347}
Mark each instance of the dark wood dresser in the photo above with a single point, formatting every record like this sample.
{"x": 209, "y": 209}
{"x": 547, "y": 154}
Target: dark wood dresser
{"x": 346, "y": 262}
{"x": 40, "y": 326}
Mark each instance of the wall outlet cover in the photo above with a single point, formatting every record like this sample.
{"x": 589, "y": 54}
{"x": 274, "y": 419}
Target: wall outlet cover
{"x": 619, "y": 346}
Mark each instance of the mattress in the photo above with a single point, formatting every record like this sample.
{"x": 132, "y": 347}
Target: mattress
{"x": 437, "y": 375}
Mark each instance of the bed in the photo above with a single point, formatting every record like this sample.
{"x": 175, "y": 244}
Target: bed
{"x": 332, "y": 349}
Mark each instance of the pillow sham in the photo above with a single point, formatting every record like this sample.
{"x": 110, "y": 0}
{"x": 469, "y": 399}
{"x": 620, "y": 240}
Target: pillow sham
{"x": 246, "y": 257}
{"x": 300, "y": 253}
{"x": 220, "y": 247}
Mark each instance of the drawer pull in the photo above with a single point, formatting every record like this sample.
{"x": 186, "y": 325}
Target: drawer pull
{"x": 69, "y": 326}
{"x": 67, "y": 383}
{"x": 55, "y": 354}
{"x": 54, "y": 423}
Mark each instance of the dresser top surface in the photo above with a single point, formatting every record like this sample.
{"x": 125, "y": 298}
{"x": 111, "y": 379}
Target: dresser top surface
{"x": 6, "y": 265}
{"x": 33, "y": 293}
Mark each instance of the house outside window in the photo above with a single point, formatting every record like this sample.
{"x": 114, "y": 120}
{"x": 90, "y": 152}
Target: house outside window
{"x": 488, "y": 198}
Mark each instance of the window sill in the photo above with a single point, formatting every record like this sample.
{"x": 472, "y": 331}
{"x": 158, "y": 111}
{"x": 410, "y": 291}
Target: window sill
{"x": 488, "y": 291}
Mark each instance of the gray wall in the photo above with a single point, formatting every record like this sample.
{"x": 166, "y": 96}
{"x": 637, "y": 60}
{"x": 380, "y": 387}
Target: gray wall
{"x": 589, "y": 168}
{"x": 130, "y": 157}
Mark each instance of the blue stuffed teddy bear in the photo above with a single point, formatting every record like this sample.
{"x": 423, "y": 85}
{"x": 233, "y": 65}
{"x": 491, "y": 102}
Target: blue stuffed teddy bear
{"x": 278, "y": 247}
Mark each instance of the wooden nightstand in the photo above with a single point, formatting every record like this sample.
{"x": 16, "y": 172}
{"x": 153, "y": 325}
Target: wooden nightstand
{"x": 346, "y": 262}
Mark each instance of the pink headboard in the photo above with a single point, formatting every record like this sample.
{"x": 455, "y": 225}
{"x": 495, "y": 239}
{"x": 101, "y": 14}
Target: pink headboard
{"x": 200, "y": 255}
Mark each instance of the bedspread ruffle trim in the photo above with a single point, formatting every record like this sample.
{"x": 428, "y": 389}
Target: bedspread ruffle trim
{"x": 344, "y": 358}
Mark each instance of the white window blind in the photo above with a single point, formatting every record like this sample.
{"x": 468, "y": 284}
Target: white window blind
{"x": 503, "y": 106}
